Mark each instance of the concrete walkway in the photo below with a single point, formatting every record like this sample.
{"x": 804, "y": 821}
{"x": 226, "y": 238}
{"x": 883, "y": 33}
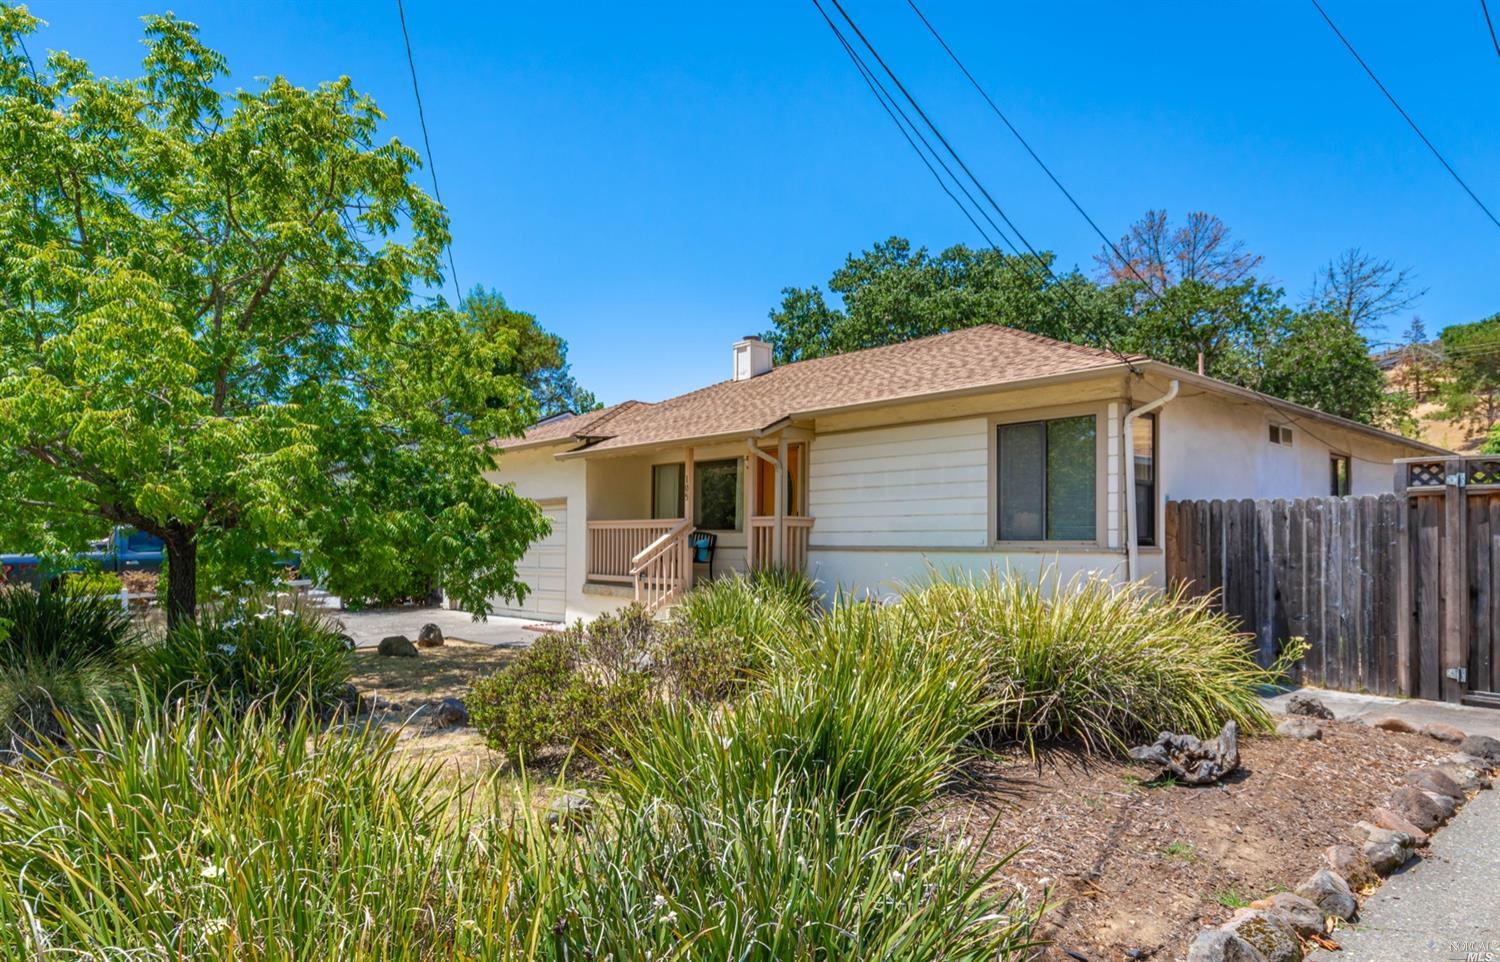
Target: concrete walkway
{"x": 368, "y": 627}
{"x": 1444, "y": 906}
{"x": 1347, "y": 706}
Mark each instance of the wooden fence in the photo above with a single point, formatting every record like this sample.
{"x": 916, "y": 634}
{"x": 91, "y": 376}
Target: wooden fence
{"x": 1327, "y": 570}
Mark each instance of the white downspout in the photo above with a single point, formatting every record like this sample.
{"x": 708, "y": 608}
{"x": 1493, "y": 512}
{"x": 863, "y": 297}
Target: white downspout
{"x": 1132, "y": 550}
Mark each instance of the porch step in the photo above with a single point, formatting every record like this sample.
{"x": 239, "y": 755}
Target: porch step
{"x": 609, "y": 589}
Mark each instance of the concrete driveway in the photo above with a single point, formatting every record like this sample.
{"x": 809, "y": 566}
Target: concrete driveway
{"x": 368, "y": 627}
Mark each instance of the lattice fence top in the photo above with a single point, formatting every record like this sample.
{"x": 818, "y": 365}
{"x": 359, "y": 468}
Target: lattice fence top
{"x": 1484, "y": 472}
{"x": 1425, "y": 474}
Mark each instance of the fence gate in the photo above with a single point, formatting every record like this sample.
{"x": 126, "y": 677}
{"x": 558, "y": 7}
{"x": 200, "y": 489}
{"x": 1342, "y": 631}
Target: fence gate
{"x": 1454, "y": 572}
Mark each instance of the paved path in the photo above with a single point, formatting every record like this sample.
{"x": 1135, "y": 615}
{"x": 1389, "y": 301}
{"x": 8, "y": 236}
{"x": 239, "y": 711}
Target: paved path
{"x": 368, "y": 627}
{"x": 1445, "y": 906}
{"x": 1347, "y": 706}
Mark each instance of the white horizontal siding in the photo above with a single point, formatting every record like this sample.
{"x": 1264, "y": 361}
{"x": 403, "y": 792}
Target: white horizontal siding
{"x": 924, "y": 485}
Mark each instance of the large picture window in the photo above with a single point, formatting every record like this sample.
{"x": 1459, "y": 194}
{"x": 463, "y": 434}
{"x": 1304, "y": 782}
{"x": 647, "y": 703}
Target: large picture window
{"x": 717, "y": 493}
{"x": 1047, "y": 480}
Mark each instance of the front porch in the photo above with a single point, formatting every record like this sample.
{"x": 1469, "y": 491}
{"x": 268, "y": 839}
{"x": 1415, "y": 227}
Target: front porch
{"x": 713, "y": 510}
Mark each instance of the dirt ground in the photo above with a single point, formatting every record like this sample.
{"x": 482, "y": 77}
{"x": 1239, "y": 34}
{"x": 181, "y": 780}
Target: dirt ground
{"x": 1135, "y": 867}
{"x": 399, "y": 692}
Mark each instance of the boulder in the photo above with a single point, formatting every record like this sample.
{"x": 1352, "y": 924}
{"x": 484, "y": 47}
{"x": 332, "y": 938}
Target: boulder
{"x": 1330, "y": 893}
{"x": 1216, "y": 945}
{"x": 450, "y": 713}
{"x": 569, "y": 810}
{"x": 1466, "y": 777}
{"x": 1349, "y": 863}
{"x": 1481, "y": 746}
{"x": 1448, "y": 806}
{"x": 397, "y": 646}
{"x": 1191, "y": 761}
{"x": 346, "y": 639}
{"x": 1304, "y": 728}
{"x": 1383, "y": 819}
{"x": 1304, "y": 704}
{"x": 1417, "y": 807}
{"x": 1304, "y": 917}
{"x": 1434, "y": 782}
{"x": 1387, "y": 850}
{"x": 1443, "y": 733}
{"x": 1394, "y": 725}
{"x": 431, "y": 636}
{"x": 1271, "y": 935}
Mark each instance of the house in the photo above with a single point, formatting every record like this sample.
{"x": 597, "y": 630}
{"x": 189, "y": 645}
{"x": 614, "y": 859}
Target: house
{"x": 982, "y": 447}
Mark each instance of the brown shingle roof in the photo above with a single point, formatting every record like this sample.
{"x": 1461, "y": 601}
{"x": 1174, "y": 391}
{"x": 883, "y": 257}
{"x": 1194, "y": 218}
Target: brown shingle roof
{"x": 972, "y": 358}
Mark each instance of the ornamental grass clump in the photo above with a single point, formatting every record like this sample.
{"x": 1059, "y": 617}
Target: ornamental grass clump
{"x": 748, "y": 610}
{"x": 1098, "y": 664}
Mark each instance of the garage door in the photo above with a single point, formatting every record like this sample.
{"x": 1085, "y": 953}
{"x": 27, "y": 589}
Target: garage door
{"x": 544, "y": 569}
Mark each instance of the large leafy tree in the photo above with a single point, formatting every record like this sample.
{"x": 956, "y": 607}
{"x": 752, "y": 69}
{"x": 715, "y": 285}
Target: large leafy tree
{"x": 1471, "y": 370}
{"x": 895, "y": 292}
{"x": 208, "y": 331}
{"x": 539, "y": 357}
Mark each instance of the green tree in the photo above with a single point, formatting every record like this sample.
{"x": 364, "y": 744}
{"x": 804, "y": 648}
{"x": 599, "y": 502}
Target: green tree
{"x": 539, "y": 358}
{"x": 894, "y": 292}
{"x": 208, "y": 331}
{"x": 1471, "y": 370}
{"x": 1323, "y": 361}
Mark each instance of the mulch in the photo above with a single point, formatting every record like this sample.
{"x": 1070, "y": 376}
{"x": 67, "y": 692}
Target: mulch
{"x": 1134, "y": 870}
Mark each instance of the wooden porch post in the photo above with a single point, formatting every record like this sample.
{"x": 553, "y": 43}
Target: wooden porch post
{"x": 687, "y": 514}
{"x": 752, "y": 480}
{"x": 778, "y": 543}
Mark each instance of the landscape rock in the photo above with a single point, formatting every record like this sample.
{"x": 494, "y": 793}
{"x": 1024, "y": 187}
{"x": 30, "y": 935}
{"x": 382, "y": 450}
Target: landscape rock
{"x": 347, "y": 639}
{"x": 1304, "y": 917}
{"x": 1433, "y": 781}
{"x": 397, "y": 646}
{"x": 1383, "y": 819}
{"x": 1217, "y": 945}
{"x": 1388, "y": 850}
{"x": 1271, "y": 935}
{"x": 1350, "y": 864}
{"x": 450, "y": 713}
{"x": 1417, "y": 807}
{"x": 1467, "y": 760}
{"x": 1304, "y": 704}
{"x": 1191, "y": 761}
{"x": 569, "y": 810}
{"x": 1443, "y": 733}
{"x": 1394, "y": 725}
{"x": 1448, "y": 806}
{"x": 1304, "y": 728}
{"x": 1470, "y": 778}
{"x": 1481, "y": 746}
{"x": 1330, "y": 893}
{"x": 431, "y": 636}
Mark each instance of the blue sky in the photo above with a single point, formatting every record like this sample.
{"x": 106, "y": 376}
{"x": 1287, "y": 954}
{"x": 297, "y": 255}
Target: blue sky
{"x": 647, "y": 177}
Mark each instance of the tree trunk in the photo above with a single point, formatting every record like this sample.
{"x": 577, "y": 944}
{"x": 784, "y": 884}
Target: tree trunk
{"x": 182, "y": 578}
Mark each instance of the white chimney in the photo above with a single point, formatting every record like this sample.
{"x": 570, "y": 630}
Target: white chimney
{"x": 752, "y": 358}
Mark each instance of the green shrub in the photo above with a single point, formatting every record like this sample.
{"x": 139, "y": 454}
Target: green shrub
{"x": 92, "y": 583}
{"x": 60, "y": 654}
{"x": 251, "y": 651}
{"x": 548, "y": 696}
{"x": 748, "y": 610}
{"x": 1095, "y": 663}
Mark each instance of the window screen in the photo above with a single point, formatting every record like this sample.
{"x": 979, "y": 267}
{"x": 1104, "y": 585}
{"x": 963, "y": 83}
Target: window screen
{"x": 1143, "y": 453}
{"x": 718, "y": 496}
{"x": 1047, "y": 480}
{"x": 1338, "y": 475}
{"x": 666, "y": 491}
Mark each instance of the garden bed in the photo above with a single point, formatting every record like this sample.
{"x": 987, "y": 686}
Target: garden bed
{"x": 1136, "y": 867}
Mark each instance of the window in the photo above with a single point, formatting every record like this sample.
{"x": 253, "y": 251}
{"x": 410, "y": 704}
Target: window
{"x": 1143, "y": 453}
{"x": 666, "y": 491}
{"x": 717, "y": 496}
{"x": 1047, "y": 480}
{"x": 1281, "y": 434}
{"x": 1338, "y": 475}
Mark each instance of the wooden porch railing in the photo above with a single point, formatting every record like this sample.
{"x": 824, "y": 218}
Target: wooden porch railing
{"x": 664, "y": 569}
{"x": 613, "y": 546}
{"x": 798, "y": 534}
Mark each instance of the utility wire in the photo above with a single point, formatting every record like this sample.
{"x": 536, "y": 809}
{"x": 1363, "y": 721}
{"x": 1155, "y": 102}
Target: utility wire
{"x": 427, "y": 143}
{"x": 953, "y": 153}
{"x": 1483, "y": 5}
{"x": 1406, "y": 116}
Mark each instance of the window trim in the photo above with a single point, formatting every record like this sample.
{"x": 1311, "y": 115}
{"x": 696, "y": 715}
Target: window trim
{"x": 739, "y": 501}
{"x": 1099, "y": 410}
{"x": 1156, "y": 513}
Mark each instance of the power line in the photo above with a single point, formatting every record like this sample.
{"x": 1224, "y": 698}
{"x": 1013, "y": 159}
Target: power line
{"x": 427, "y": 143}
{"x": 953, "y": 153}
{"x": 1406, "y": 116}
{"x": 1484, "y": 5}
